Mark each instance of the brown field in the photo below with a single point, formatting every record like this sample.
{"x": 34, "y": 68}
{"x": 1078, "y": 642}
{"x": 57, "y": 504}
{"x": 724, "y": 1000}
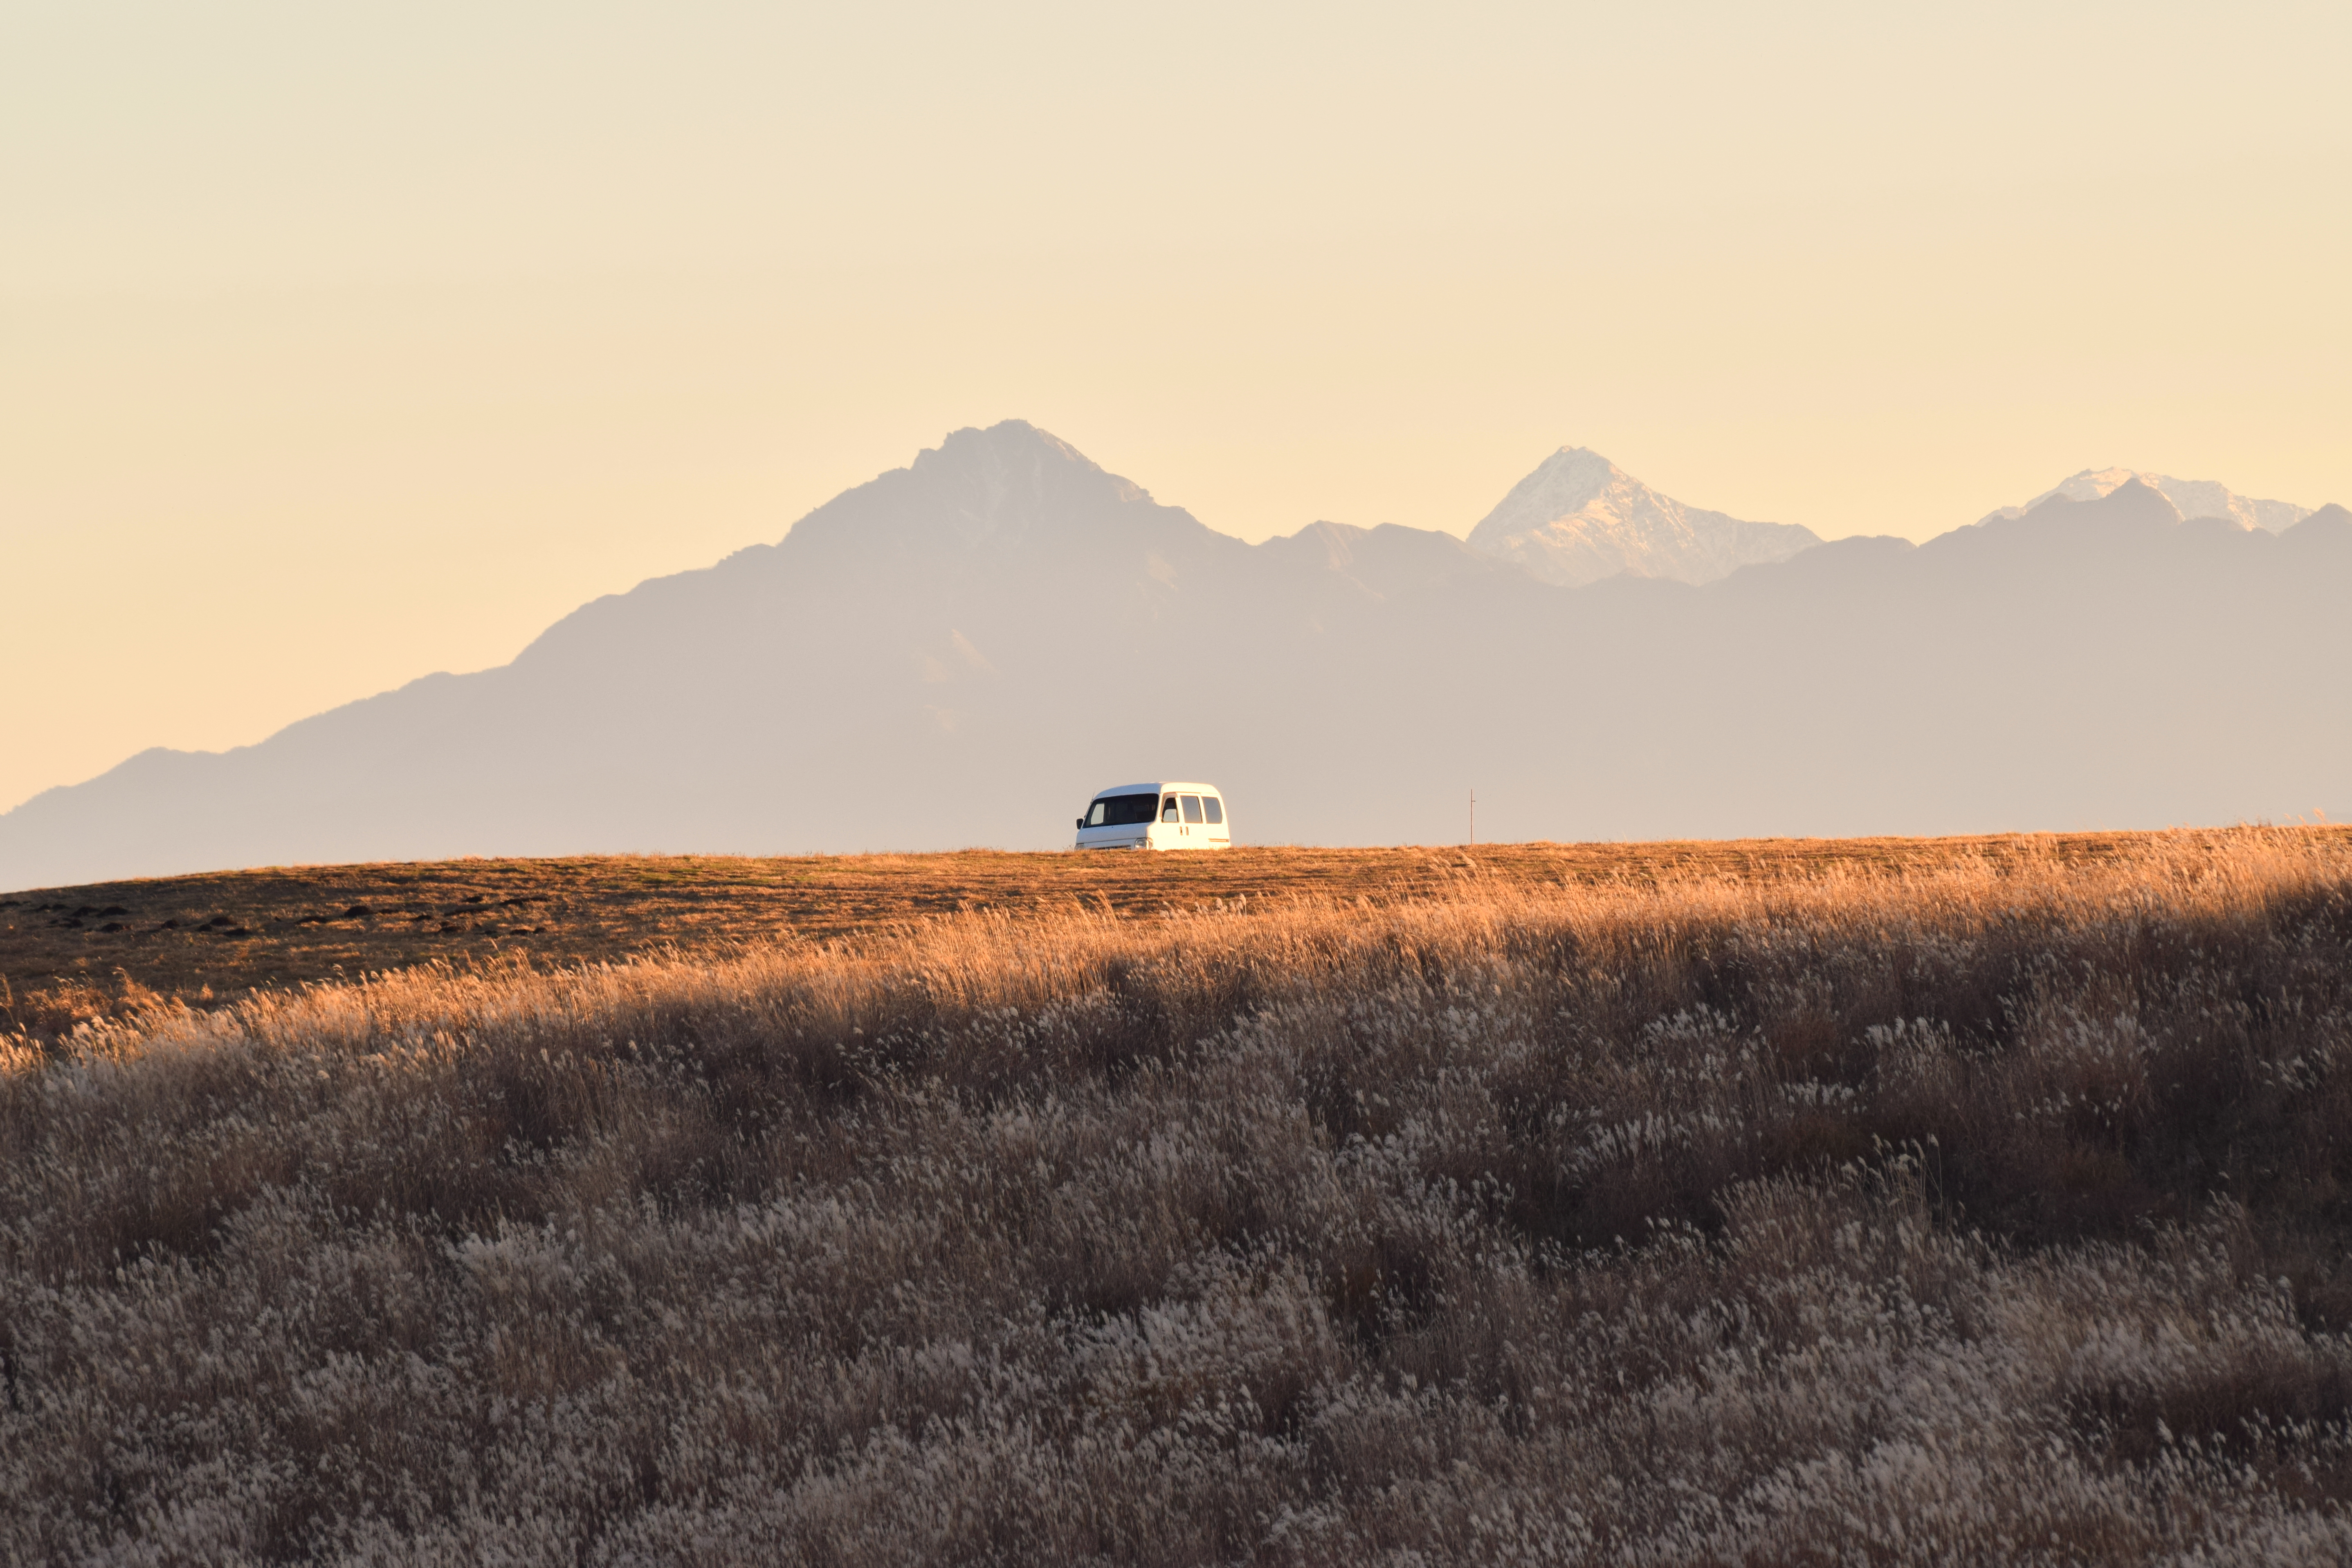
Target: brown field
{"x": 1770, "y": 1204}
{"x": 67, "y": 954}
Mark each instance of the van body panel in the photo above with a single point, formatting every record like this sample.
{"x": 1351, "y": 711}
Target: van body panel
{"x": 1181, "y": 820}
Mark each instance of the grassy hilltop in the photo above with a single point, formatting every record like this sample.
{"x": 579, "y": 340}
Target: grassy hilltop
{"x": 1748, "y": 1204}
{"x": 68, "y": 955}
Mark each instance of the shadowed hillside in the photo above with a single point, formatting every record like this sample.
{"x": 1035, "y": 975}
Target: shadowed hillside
{"x": 1976, "y": 1208}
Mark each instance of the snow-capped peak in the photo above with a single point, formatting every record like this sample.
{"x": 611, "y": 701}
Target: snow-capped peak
{"x": 1579, "y": 518}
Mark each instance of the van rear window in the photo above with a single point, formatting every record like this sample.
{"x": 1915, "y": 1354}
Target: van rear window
{"x": 1123, "y": 810}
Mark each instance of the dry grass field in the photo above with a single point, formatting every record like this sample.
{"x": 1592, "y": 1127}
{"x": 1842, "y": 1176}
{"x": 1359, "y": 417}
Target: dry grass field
{"x": 1763, "y": 1204}
{"x": 68, "y": 955}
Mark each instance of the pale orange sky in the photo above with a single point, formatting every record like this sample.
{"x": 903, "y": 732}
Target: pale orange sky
{"x": 343, "y": 345}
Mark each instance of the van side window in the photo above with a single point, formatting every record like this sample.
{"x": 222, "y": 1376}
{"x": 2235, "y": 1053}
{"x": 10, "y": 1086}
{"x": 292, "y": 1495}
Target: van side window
{"x": 1167, "y": 809}
{"x": 1214, "y": 806}
{"x": 1191, "y": 807}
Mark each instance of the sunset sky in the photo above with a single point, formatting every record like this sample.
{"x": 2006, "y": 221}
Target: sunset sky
{"x": 339, "y": 344}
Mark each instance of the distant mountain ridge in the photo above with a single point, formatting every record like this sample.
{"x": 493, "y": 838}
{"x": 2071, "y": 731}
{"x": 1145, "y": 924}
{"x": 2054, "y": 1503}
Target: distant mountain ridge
{"x": 1579, "y": 518}
{"x": 2189, "y": 498}
{"x": 961, "y": 650}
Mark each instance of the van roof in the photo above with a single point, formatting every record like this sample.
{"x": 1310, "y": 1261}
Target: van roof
{"x": 1159, "y": 788}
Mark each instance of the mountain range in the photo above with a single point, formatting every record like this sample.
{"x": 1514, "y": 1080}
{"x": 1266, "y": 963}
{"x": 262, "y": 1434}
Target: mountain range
{"x": 2190, "y": 498}
{"x": 962, "y": 650}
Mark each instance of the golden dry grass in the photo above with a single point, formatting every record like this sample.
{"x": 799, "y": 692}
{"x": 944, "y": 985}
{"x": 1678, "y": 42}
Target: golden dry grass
{"x": 1964, "y": 1207}
{"x": 69, "y": 954}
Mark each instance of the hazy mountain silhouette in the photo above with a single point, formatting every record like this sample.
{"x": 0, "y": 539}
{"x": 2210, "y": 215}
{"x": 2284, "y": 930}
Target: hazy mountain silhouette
{"x": 961, "y": 651}
{"x": 2190, "y": 498}
{"x": 1579, "y": 518}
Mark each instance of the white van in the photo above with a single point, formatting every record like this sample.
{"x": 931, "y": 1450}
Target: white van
{"x": 1156, "y": 817}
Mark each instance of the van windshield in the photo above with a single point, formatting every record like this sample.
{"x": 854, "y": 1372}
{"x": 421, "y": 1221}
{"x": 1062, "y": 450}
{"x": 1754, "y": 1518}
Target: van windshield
{"x": 1123, "y": 810}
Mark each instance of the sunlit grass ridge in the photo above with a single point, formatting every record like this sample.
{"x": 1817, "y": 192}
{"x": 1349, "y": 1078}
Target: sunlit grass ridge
{"x": 1979, "y": 1212}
